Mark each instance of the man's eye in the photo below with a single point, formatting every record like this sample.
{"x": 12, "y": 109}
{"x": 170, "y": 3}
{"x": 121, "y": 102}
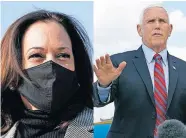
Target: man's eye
{"x": 35, "y": 56}
{"x": 150, "y": 21}
{"x": 162, "y": 21}
{"x": 63, "y": 55}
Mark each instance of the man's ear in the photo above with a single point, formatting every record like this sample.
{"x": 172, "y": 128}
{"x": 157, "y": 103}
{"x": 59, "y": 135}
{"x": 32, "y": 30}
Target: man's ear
{"x": 139, "y": 29}
{"x": 170, "y": 29}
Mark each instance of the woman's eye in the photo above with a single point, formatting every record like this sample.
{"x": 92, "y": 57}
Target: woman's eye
{"x": 35, "y": 56}
{"x": 63, "y": 55}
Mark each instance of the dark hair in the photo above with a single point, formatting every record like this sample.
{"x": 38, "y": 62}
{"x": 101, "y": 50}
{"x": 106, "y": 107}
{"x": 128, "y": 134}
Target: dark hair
{"x": 11, "y": 59}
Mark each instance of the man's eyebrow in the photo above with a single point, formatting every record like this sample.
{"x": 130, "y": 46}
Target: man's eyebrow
{"x": 148, "y": 19}
{"x": 163, "y": 19}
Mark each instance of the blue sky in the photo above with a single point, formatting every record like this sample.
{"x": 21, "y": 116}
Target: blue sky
{"x": 172, "y": 5}
{"x": 83, "y": 11}
{"x": 181, "y": 36}
{"x": 115, "y": 26}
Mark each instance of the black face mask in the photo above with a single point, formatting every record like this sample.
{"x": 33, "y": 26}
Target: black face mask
{"x": 51, "y": 87}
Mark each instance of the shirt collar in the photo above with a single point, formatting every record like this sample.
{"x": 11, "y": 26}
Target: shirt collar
{"x": 149, "y": 54}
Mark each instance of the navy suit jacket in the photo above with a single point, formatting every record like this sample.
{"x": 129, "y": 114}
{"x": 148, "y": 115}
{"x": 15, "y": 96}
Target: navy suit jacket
{"x": 132, "y": 93}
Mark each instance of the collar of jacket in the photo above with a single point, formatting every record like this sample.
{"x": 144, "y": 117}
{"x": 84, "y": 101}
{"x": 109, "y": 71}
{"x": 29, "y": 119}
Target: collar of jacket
{"x": 82, "y": 123}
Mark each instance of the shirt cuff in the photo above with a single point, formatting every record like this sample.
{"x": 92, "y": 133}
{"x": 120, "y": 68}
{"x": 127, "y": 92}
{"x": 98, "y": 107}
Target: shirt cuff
{"x": 104, "y": 93}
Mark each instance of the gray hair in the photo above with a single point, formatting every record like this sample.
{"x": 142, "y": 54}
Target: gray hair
{"x": 151, "y": 6}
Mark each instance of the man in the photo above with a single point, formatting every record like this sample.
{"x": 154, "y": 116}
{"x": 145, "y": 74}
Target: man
{"x": 147, "y": 85}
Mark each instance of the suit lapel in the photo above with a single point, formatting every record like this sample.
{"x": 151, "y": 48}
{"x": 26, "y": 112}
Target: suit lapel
{"x": 173, "y": 77}
{"x": 142, "y": 68}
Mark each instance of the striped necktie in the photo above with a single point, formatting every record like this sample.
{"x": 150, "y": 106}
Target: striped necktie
{"x": 160, "y": 92}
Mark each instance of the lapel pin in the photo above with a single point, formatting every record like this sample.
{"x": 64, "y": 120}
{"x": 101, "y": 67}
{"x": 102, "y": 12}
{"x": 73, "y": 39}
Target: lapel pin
{"x": 174, "y": 67}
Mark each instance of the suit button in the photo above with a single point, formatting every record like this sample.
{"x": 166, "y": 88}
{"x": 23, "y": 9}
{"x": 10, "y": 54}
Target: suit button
{"x": 153, "y": 115}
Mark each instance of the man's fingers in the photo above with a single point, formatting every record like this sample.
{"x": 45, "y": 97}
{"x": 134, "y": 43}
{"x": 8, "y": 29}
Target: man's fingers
{"x": 98, "y": 63}
{"x": 121, "y": 67}
{"x": 95, "y": 69}
{"x": 103, "y": 62}
{"x": 108, "y": 60}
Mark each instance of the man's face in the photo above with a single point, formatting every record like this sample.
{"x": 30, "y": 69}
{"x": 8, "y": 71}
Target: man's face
{"x": 155, "y": 28}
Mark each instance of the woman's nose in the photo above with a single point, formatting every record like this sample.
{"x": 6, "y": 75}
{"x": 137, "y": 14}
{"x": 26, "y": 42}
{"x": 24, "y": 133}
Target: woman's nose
{"x": 50, "y": 58}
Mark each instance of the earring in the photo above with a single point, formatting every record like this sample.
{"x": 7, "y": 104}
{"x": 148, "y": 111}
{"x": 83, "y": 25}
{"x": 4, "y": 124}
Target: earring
{"x": 11, "y": 87}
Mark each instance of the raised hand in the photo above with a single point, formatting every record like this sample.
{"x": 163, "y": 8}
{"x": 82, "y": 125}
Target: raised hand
{"x": 105, "y": 71}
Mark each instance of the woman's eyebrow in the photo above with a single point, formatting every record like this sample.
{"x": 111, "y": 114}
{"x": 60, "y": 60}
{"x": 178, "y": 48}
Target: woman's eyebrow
{"x": 38, "y": 48}
{"x": 63, "y": 47}
{"x": 41, "y": 48}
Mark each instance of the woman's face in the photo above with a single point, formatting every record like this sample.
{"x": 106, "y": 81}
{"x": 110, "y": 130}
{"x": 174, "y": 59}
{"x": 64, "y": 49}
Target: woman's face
{"x": 44, "y": 41}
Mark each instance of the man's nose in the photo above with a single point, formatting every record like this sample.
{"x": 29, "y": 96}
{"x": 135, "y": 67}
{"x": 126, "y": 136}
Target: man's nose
{"x": 157, "y": 25}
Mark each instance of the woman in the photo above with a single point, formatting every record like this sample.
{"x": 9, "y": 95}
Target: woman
{"x": 46, "y": 78}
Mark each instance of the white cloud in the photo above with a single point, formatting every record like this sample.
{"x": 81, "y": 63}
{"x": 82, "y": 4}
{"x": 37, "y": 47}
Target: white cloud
{"x": 115, "y": 24}
{"x": 178, "y": 19}
{"x": 106, "y": 112}
{"x": 178, "y": 51}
